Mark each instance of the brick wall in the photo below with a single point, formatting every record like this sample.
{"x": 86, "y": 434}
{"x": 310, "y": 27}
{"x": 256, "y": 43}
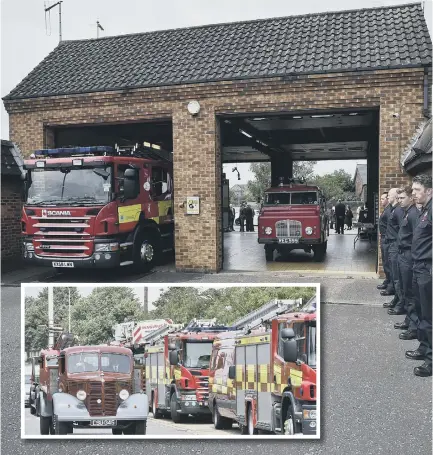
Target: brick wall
{"x": 11, "y": 188}
{"x": 196, "y": 139}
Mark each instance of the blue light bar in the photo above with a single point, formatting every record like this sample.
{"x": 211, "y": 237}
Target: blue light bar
{"x": 70, "y": 151}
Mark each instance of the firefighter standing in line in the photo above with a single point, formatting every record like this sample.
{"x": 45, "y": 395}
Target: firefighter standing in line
{"x": 392, "y": 228}
{"x": 383, "y": 222}
{"x": 404, "y": 243}
{"x": 422, "y": 274}
{"x": 249, "y": 216}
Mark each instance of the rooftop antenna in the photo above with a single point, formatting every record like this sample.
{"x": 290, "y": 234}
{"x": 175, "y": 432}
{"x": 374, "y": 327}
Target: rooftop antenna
{"x": 98, "y": 27}
{"x": 49, "y": 8}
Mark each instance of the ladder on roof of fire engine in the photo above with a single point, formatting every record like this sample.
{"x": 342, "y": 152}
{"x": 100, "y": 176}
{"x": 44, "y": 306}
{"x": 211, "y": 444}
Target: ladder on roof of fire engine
{"x": 144, "y": 151}
{"x": 266, "y": 313}
{"x": 158, "y": 334}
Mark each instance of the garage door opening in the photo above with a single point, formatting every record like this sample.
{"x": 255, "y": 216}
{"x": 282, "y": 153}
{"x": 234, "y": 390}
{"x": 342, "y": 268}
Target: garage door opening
{"x": 282, "y": 139}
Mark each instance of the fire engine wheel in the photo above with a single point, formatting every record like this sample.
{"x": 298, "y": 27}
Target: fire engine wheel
{"x": 44, "y": 425}
{"x": 290, "y": 425}
{"x": 144, "y": 252}
{"x": 320, "y": 251}
{"x": 176, "y": 416}
{"x": 219, "y": 422}
{"x": 250, "y": 425}
{"x": 269, "y": 254}
{"x": 157, "y": 414}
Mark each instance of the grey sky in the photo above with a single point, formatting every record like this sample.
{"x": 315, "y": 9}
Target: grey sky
{"x": 25, "y": 43}
{"x": 153, "y": 294}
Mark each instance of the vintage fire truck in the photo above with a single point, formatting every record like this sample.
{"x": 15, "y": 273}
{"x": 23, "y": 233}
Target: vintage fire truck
{"x": 177, "y": 370}
{"x": 293, "y": 216}
{"x": 89, "y": 387}
{"x": 264, "y": 376}
{"x": 98, "y": 207}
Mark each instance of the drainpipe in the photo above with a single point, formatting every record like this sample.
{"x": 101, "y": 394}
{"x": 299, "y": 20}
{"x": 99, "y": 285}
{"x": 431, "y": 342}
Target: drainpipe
{"x": 426, "y": 111}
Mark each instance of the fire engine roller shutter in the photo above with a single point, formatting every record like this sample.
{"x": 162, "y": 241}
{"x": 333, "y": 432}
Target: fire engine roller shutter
{"x": 240, "y": 382}
{"x": 264, "y": 401}
{"x": 161, "y": 378}
{"x": 147, "y": 380}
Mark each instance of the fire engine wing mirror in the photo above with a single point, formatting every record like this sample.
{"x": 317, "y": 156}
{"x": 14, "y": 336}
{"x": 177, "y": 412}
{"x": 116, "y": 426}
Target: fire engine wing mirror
{"x": 232, "y": 372}
{"x": 171, "y": 347}
{"x": 130, "y": 184}
{"x": 287, "y": 334}
{"x": 173, "y": 357}
{"x": 290, "y": 350}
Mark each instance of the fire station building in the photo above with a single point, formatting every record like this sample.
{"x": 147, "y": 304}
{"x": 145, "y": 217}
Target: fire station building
{"x": 338, "y": 85}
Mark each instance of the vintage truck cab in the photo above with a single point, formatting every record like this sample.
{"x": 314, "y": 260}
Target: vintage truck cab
{"x": 92, "y": 387}
{"x": 293, "y": 216}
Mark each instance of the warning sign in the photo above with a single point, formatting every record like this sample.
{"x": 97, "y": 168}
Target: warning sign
{"x": 193, "y": 205}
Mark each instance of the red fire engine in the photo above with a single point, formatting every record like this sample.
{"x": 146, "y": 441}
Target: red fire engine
{"x": 177, "y": 370}
{"x": 265, "y": 379}
{"x": 98, "y": 207}
{"x": 293, "y": 216}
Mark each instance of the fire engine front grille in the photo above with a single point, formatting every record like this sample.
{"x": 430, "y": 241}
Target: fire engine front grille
{"x": 64, "y": 237}
{"x": 288, "y": 228}
{"x": 203, "y": 387}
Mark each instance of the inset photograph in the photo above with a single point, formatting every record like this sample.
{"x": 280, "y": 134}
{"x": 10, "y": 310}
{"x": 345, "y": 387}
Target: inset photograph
{"x": 172, "y": 361}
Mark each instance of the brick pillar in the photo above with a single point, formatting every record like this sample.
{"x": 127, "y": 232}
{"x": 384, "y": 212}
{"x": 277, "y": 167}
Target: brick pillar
{"x": 197, "y": 172}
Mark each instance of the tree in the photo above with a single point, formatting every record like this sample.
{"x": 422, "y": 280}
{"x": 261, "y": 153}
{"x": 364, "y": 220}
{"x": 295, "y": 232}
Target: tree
{"x": 224, "y": 304}
{"x": 262, "y": 176}
{"x": 338, "y": 185}
{"x": 94, "y": 316}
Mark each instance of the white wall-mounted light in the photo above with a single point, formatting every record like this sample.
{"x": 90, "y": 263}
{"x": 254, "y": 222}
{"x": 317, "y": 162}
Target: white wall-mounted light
{"x": 194, "y": 107}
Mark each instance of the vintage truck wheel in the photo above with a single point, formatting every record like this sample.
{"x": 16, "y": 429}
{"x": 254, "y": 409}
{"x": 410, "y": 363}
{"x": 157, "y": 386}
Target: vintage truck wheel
{"x": 320, "y": 251}
{"x": 116, "y": 431}
{"x": 32, "y": 410}
{"x": 269, "y": 253}
{"x": 140, "y": 427}
{"x": 61, "y": 427}
{"x": 44, "y": 425}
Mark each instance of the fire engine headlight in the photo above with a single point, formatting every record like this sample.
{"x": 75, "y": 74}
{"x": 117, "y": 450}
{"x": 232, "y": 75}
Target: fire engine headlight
{"x": 308, "y": 230}
{"x": 123, "y": 394}
{"x": 30, "y": 247}
{"x": 106, "y": 246}
{"x": 268, "y": 230}
{"x": 81, "y": 395}
{"x": 309, "y": 414}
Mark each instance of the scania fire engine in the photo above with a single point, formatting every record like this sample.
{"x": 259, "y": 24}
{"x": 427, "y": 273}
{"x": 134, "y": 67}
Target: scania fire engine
{"x": 293, "y": 216}
{"x": 177, "y": 370}
{"x": 264, "y": 376}
{"x": 98, "y": 207}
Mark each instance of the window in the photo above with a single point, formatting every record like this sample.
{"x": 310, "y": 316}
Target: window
{"x": 121, "y": 168}
{"x": 304, "y": 197}
{"x": 160, "y": 180}
{"x": 277, "y": 198}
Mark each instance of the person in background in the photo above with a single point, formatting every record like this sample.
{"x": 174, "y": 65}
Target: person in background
{"x": 348, "y": 218}
{"x": 242, "y": 216}
{"x": 249, "y": 217}
{"x": 231, "y": 218}
{"x": 392, "y": 228}
{"x": 422, "y": 274}
{"x": 384, "y": 247}
{"x": 340, "y": 213}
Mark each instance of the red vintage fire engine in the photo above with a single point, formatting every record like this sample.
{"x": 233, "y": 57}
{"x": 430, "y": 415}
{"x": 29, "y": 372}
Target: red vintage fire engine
{"x": 265, "y": 378}
{"x": 98, "y": 207}
{"x": 177, "y": 371}
{"x": 293, "y": 216}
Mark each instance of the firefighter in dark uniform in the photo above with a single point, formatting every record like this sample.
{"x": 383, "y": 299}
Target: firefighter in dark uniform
{"x": 404, "y": 243}
{"x": 422, "y": 274}
{"x": 393, "y": 226}
{"x": 383, "y": 222}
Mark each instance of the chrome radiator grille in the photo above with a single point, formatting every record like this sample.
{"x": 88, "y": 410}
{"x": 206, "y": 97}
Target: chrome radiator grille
{"x": 288, "y": 228}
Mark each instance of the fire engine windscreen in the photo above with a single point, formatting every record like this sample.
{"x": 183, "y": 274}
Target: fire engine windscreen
{"x": 197, "y": 355}
{"x": 68, "y": 186}
{"x": 295, "y": 198}
{"x": 89, "y": 362}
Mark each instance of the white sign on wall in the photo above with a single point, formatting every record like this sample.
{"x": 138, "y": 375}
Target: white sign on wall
{"x": 193, "y": 205}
